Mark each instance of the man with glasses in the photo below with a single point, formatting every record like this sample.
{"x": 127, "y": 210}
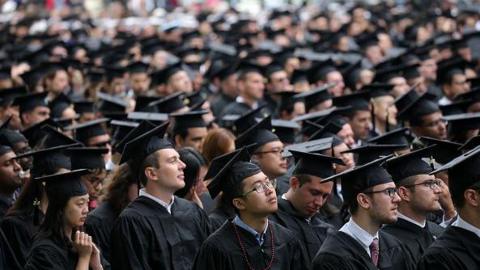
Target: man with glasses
{"x": 453, "y": 82}
{"x": 420, "y": 194}
{"x": 371, "y": 197}
{"x": 459, "y": 246}
{"x": 249, "y": 240}
{"x": 299, "y": 207}
{"x": 268, "y": 149}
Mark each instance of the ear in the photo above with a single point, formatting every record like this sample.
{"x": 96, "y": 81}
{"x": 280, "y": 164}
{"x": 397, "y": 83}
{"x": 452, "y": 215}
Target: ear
{"x": 404, "y": 193}
{"x": 178, "y": 140}
{"x": 151, "y": 173}
{"x": 239, "y": 203}
{"x": 364, "y": 201}
{"x": 472, "y": 197}
{"x": 294, "y": 183}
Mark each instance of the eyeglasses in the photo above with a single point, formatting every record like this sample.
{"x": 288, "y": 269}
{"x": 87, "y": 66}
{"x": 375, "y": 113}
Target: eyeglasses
{"x": 260, "y": 187}
{"x": 432, "y": 184}
{"x": 275, "y": 151}
{"x": 391, "y": 192}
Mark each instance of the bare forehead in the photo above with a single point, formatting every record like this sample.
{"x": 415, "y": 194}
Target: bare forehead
{"x": 255, "y": 178}
{"x": 167, "y": 153}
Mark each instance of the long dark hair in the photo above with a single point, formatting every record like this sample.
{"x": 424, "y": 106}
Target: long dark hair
{"x": 28, "y": 200}
{"x": 117, "y": 190}
{"x": 193, "y": 161}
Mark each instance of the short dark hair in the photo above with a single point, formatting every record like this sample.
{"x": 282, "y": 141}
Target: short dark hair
{"x": 408, "y": 181}
{"x": 150, "y": 161}
{"x": 450, "y": 74}
{"x": 303, "y": 178}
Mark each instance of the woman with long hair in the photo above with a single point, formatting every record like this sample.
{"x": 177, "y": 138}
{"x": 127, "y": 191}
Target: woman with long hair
{"x": 192, "y": 175}
{"x": 60, "y": 243}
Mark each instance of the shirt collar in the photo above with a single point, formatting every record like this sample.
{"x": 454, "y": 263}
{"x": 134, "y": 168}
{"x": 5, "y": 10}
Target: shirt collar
{"x": 260, "y": 237}
{"x": 362, "y": 236}
{"x": 421, "y": 225}
{"x": 461, "y": 223}
{"x": 240, "y": 99}
{"x": 167, "y": 206}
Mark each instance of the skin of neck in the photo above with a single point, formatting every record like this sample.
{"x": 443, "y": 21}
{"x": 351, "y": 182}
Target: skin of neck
{"x": 249, "y": 101}
{"x": 363, "y": 219}
{"x": 290, "y": 195}
{"x": 68, "y": 231}
{"x": 43, "y": 203}
{"x": 257, "y": 222}
{"x": 380, "y": 125}
{"x": 162, "y": 194}
{"x": 406, "y": 210}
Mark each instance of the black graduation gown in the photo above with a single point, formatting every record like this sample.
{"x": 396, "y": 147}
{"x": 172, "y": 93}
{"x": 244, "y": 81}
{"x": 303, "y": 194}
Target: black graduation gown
{"x": 5, "y": 204}
{"x": 7, "y": 257}
{"x": 20, "y": 230}
{"x": 146, "y": 236}
{"x": 342, "y": 252}
{"x": 99, "y": 226}
{"x": 455, "y": 249}
{"x": 235, "y": 108}
{"x": 219, "y": 103}
{"x": 222, "y": 250}
{"x": 311, "y": 235}
{"x": 49, "y": 255}
{"x": 415, "y": 238}
{"x": 218, "y": 216}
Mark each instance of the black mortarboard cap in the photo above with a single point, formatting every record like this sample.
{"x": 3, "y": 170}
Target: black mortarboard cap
{"x": 111, "y": 103}
{"x": 162, "y": 76}
{"x": 462, "y": 122}
{"x": 445, "y": 150}
{"x": 360, "y": 178}
{"x": 31, "y": 101}
{"x": 142, "y": 128}
{"x": 285, "y": 130}
{"x": 370, "y": 152}
{"x": 314, "y": 97}
{"x": 358, "y": 101}
{"x": 170, "y": 103}
{"x": 247, "y": 120}
{"x": 314, "y": 164}
{"x": 35, "y": 133}
{"x": 139, "y": 148}
{"x": 87, "y": 157}
{"x": 87, "y": 130}
{"x": 314, "y": 146}
{"x": 463, "y": 172}
{"x": 120, "y": 129}
{"x": 473, "y": 94}
{"x": 138, "y": 67}
{"x": 259, "y": 133}
{"x": 156, "y": 118}
{"x": 10, "y": 137}
{"x": 48, "y": 160}
{"x": 458, "y": 107}
{"x": 62, "y": 186}
{"x": 299, "y": 75}
{"x": 84, "y": 106}
{"x": 378, "y": 89}
{"x": 52, "y": 138}
{"x": 396, "y": 136}
{"x": 9, "y": 94}
{"x": 187, "y": 120}
{"x": 470, "y": 144}
{"x": 419, "y": 106}
{"x": 410, "y": 164}
{"x": 143, "y": 101}
{"x": 234, "y": 172}
{"x": 58, "y": 105}
{"x": 195, "y": 98}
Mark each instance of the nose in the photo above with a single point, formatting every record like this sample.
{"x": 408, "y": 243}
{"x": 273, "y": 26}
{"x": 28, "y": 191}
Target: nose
{"x": 396, "y": 198}
{"x": 16, "y": 166}
{"x": 181, "y": 164}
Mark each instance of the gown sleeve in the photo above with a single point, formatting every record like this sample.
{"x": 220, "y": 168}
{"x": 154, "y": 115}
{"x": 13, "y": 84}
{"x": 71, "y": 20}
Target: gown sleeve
{"x": 210, "y": 257}
{"x": 326, "y": 261}
{"x": 45, "y": 257}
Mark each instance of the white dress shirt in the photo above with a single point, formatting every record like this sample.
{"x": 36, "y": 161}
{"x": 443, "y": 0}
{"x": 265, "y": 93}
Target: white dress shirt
{"x": 461, "y": 223}
{"x": 363, "y": 237}
{"x": 167, "y": 206}
{"x": 421, "y": 225}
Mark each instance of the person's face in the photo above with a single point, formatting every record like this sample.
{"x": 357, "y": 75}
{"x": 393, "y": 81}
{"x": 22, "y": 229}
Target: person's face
{"x": 458, "y": 86}
{"x": 159, "y": 60}
{"x": 253, "y": 86}
{"x": 336, "y": 78}
{"x": 169, "y": 170}
{"x": 400, "y": 86}
{"x": 102, "y": 141}
{"x": 229, "y": 85}
{"x": 279, "y": 82}
{"x": 432, "y": 126}
{"x": 9, "y": 172}
{"x": 428, "y": 69}
{"x": 12, "y": 111}
{"x": 346, "y": 134}
{"x": 270, "y": 159}
{"x": 139, "y": 82}
{"x": 258, "y": 203}
{"x": 76, "y": 211}
{"x": 20, "y": 148}
{"x": 69, "y": 113}
{"x": 117, "y": 86}
{"x": 94, "y": 183}
{"x": 59, "y": 82}
{"x": 374, "y": 54}
{"x": 195, "y": 138}
{"x": 383, "y": 207}
{"x": 385, "y": 109}
{"x": 384, "y": 42}
{"x": 361, "y": 122}
{"x": 347, "y": 158}
{"x": 37, "y": 115}
{"x": 424, "y": 196}
{"x": 180, "y": 82}
{"x": 311, "y": 196}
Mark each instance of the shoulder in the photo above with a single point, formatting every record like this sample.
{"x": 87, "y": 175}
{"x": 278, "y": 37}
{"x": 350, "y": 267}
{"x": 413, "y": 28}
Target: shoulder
{"x": 280, "y": 232}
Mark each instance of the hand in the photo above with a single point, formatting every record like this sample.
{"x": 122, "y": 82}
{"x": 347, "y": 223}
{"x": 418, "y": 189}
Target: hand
{"x": 446, "y": 201}
{"x": 83, "y": 244}
{"x": 95, "y": 260}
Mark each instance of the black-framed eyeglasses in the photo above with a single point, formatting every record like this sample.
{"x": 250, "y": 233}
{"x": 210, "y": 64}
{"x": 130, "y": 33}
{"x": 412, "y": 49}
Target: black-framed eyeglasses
{"x": 276, "y": 151}
{"x": 432, "y": 184}
{"x": 260, "y": 187}
{"x": 391, "y": 192}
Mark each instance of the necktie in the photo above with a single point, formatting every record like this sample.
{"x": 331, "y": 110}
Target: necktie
{"x": 374, "y": 251}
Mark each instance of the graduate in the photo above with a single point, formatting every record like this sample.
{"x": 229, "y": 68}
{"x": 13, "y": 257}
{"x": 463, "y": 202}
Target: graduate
{"x": 157, "y": 230}
{"x": 249, "y": 240}
{"x": 298, "y": 209}
{"x": 60, "y": 244}
{"x": 458, "y": 247}
{"x": 371, "y": 196}
{"x": 420, "y": 194}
